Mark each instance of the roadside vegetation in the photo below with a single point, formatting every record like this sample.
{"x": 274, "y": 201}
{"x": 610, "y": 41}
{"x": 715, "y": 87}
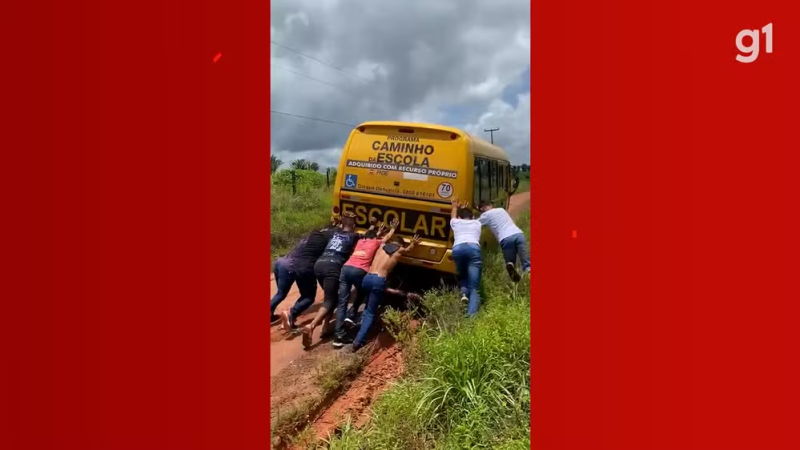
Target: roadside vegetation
{"x": 298, "y": 203}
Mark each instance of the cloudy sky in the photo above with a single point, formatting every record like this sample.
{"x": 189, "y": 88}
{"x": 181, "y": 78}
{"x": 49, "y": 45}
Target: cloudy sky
{"x": 463, "y": 63}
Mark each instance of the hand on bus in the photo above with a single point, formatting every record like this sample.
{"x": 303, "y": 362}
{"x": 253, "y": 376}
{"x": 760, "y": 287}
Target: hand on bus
{"x": 395, "y": 224}
{"x": 372, "y": 220}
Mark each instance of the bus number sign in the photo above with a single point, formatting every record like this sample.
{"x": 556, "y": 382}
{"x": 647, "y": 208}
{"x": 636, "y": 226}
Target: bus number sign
{"x": 445, "y": 190}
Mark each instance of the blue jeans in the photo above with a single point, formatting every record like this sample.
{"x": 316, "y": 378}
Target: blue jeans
{"x": 514, "y": 246}
{"x": 307, "y": 284}
{"x": 376, "y": 287}
{"x": 468, "y": 266}
{"x": 351, "y": 276}
{"x": 284, "y": 278}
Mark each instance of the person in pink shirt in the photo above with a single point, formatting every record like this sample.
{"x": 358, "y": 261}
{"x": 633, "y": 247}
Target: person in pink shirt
{"x": 353, "y": 272}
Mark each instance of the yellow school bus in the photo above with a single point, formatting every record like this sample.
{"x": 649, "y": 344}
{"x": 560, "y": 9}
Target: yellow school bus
{"x": 411, "y": 172}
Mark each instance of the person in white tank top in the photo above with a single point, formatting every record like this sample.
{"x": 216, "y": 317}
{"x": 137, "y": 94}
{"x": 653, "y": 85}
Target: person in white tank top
{"x": 512, "y": 240}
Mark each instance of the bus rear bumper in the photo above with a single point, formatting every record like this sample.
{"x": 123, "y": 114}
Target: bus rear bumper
{"x": 446, "y": 265}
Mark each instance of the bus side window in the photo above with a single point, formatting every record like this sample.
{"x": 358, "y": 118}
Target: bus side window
{"x": 490, "y": 180}
{"x": 497, "y": 191}
{"x": 493, "y": 179}
{"x": 502, "y": 178}
{"x": 485, "y": 187}
{"x": 476, "y": 189}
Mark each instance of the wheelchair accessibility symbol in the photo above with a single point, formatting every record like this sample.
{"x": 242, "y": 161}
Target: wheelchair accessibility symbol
{"x": 350, "y": 181}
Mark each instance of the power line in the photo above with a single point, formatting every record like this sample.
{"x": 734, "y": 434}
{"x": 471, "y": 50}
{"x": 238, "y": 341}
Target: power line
{"x": 319, "y": 61}
{"x": 349, "y": 125}
{"x": 312, "y": 78}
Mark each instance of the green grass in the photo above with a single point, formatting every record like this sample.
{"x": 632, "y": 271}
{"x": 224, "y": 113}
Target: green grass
{"x": 524, "y": 186}
{"x": 294, "y": 215}
{"x": 467, "y": 380}
{"x": 524, "y": 182}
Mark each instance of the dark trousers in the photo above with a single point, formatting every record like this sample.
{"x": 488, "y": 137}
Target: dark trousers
{"x": 307, "y": 284}
{"x": 375, "y": 287}
{"x": 327, "y": 272}
{"x": 284, "y": 278}
{"x": 350, "y": 276}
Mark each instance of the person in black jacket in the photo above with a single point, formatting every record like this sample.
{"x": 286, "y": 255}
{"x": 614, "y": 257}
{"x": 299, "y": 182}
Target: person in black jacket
{"x": 303, "y": 270}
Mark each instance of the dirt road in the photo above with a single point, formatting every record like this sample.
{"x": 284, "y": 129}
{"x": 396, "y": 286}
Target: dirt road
{"x": 519, "y": 203}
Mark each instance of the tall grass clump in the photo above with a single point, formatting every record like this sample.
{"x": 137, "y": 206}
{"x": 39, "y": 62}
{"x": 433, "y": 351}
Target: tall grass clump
{"x": 468, "y": 386}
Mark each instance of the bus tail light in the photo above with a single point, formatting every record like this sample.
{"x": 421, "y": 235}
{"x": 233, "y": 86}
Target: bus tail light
{"x": 336, "y": 210}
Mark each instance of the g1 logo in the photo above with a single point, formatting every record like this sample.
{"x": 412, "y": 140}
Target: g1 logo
{"x": 749, "y": 53}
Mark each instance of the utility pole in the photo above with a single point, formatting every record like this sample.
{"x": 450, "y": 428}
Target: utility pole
{"x": 491, "y": 133}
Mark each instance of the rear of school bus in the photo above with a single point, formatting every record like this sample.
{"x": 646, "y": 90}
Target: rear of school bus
{"x": 409, "y": 172}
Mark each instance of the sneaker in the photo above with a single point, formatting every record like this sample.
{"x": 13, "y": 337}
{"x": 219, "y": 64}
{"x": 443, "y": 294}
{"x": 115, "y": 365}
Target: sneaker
{"x": 512, "y": 272}
{"x": 288, "y": 321}
{"x": 306, "y": 337}
{"x": 339, "y": 343}
{"x": 350, "y": 322}
{"x": 273, "y": 319}
{"x": 464, "y": 298}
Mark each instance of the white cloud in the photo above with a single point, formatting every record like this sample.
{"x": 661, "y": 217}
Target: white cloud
{"x": 514, "y": 123}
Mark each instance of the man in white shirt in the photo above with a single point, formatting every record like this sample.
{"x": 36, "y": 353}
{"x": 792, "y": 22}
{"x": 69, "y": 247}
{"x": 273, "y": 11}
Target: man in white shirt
{"x": 467, "y": 254}
{"x": 510, "y": 237}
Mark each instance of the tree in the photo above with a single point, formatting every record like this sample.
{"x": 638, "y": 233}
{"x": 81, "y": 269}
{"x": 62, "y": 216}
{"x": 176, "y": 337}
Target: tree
{"x": 274, "y": 163}
{"x": 300, "y": 164}
{"x": 313, "y": 166}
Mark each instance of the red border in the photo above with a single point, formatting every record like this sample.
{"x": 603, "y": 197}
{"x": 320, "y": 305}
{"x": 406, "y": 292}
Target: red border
{"x": 671, "y": 321}
{"x": 136, "y": 211}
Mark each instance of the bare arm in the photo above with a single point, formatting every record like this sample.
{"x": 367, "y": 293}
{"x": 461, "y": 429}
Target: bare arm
{"x": 414, "y": 241}
{"x": 454, "y": 211}
{"x": 389, "y": 235}
{"x": 373, "y": 223}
